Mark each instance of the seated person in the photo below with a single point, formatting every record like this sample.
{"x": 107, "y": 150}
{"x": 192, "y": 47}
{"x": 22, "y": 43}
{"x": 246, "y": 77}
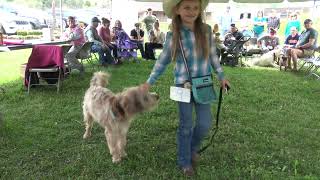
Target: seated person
{"x": 269, "y": 42}
{"x": 137, "y": 35}
{"x": 115, "y": 30}
{"x": 306, "y": 44}
{"x": 75, "y": 35}
{"x": 104, "y": 33}
{"x": 291, "y": 41}
{"x": 99, "y": 46}
{"x": 232, "y": 35}
{"x": 156, "y": 40}
{"x": 231, "y": 40}
{"x": 123, "y": 41}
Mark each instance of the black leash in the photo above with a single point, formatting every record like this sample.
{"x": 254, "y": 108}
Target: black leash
{"x": 215, "y": 129}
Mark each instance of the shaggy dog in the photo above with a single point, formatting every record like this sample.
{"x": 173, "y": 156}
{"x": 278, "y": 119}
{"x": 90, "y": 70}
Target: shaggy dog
{"x": 266, "y": 60}
{"x": 114, "y": 112}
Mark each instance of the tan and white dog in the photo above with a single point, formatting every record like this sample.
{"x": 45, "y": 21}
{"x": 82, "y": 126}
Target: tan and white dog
{"x": 114, "y": 112}
{"x": 266, "y": 60}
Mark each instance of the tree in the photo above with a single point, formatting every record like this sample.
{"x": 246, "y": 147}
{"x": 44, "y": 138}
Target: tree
{"x": 87, "y": 4}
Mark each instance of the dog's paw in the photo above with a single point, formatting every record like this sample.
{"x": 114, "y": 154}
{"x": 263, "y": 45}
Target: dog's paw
{"x": 116, "y": 159}
{"x": 86, "y": 135}
{"x": 124, "y": 154}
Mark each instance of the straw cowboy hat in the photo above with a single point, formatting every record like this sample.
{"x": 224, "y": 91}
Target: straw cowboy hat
{"x": 169, "y": 4}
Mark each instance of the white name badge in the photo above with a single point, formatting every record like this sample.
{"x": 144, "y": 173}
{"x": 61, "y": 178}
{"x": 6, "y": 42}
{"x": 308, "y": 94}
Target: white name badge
{"x": 180, "y": 94}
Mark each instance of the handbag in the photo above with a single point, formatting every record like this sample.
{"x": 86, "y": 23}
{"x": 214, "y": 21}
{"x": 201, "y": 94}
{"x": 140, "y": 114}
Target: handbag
{"x": 202, "y": 87}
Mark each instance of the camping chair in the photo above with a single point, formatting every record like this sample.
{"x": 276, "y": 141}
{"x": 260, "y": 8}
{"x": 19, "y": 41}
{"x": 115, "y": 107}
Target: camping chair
{"x": 85, "y": 54}
{"x": 308, "y": 60}
{"x": 235, "y": 51}
{"x": 45, "y": 63}
{"x": 126, "y": 47}
{"x": 316, "y": 64}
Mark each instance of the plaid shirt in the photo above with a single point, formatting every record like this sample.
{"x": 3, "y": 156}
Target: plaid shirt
{"x": 273, "y": 22}
{"x": 197, "y": 65}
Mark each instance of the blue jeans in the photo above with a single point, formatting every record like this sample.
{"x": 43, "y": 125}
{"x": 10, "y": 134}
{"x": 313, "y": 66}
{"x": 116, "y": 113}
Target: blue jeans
{"x": 140, "y": 47}
{"x": 189, "y": 137}
{"x": 104, "y": 54}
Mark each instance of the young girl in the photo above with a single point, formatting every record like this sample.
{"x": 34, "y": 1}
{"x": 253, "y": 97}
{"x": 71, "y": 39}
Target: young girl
{"x": 200, "y": 51}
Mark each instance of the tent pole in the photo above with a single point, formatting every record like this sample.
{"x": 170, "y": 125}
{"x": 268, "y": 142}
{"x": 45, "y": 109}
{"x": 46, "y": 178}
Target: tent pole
{"x": 61, "y": 19}
{"x": 53, "y": 5}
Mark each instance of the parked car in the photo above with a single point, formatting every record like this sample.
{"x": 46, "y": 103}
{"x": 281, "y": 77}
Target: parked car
{"x": 11, "y": 24}
{"x": 37, "y": 18}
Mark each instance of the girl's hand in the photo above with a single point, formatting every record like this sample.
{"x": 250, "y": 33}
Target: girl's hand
{"x": 224, "y": 84}
{"x": 146, "y": 86}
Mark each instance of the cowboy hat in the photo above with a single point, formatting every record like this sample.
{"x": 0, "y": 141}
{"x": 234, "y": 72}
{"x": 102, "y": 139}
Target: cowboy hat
{"x": 169, "y": 4}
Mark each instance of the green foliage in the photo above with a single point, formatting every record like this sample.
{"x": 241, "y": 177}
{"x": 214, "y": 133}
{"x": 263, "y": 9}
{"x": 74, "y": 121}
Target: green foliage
{"x": 22, "y": 33}
{"x": 87, "y": 4}
{"x": 30, "y": 33}
{"x": 269, "y": 128}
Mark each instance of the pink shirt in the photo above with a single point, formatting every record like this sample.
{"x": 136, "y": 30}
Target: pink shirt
{"x": 76, "y": 36}
{"x": 104, "y": 33}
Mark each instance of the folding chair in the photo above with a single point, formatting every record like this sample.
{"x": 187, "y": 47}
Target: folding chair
{"x": 309, "y": 60}
{"x": 45, "y": 63}
{"x": 85, "y": 54}
{"x": 316, "y": 65}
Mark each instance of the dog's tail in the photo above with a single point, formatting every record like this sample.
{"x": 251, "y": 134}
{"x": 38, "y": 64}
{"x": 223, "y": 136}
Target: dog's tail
{"x": 100, "y": 79}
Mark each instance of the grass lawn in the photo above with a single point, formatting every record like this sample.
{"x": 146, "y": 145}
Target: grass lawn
{"x": 269, "y": 128}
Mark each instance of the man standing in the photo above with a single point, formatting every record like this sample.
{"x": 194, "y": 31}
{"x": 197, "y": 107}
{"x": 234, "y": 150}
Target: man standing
{"x": 149, "y": 20}
{"x": 225, "y": 20}
{"x": 98, "y": 45}
{"x": 74, "y": 34}
{"x": 273, "y": 21}
{"x": 306, "y": 45}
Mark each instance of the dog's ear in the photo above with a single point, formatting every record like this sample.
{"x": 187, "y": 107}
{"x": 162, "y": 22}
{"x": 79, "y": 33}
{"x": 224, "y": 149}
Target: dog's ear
{"x": 116, "y": 108}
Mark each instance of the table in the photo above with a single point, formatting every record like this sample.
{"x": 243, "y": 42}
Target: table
{"x": 30, "y": 45}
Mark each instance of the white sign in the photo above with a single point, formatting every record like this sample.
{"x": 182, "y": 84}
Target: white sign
{"x": 180, "y": 94}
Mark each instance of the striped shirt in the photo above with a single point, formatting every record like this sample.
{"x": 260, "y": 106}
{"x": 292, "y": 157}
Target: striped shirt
{"x": 198, "y": 66}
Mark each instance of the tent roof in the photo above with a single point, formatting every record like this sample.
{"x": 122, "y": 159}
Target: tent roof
{"x": 258, "y": 1}
{"x": 239, "y": 1}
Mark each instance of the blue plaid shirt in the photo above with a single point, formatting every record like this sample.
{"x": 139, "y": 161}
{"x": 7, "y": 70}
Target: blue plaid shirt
{"x": 198, "y": 66}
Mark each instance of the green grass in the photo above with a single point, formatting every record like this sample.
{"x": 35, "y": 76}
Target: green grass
{"x": 269, "y": 128}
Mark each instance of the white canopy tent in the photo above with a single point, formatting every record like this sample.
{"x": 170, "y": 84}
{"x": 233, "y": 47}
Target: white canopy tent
{"x": 239, "y": 1}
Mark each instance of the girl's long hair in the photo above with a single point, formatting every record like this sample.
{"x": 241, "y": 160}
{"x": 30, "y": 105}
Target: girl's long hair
{"x": 200, "y": 31}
